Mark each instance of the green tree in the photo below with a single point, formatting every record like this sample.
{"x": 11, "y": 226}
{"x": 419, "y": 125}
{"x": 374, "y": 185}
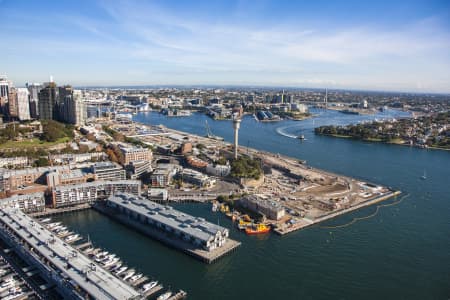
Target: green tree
{"x": 41, "y": 162}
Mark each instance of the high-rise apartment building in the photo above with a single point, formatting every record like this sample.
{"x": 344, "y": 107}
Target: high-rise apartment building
{"x": 70, "y": 106}
{"x": 4, "y": 86}
{"x": 64, "y": 103}
{"x": 48, "y": 98}
{"x": 23, "y": 104}
{"x": 12, "y": 103}
{"x": 79, "y": 107}
{"x": 34, "y": 89}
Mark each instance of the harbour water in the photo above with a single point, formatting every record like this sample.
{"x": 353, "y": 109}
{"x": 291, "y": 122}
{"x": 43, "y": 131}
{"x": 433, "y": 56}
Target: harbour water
{"x": 402, "y": 252}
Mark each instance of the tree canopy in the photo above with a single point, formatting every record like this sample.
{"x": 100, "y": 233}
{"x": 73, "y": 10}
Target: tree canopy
{"x": 246, "y": 167}
{"x": 53, "y": 131}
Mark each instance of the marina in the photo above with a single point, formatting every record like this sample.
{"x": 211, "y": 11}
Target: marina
{"x": 69, "y": 266}
{"x": 13, "y": 286}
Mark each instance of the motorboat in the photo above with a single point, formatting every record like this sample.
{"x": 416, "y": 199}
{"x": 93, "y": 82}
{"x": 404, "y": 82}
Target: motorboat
{"x": 110, "y": 262}
{"x": 115, "y": 267}
{"x": 128, "y": 275}
{"x": 121, "y": 270}
{"x": 7, "y": 283}
{"x": 149, "y": 286}
{"x": 164, "y": 296}
{"x": 52, "y": 225}
{"x": 135, "y": 277}
{"x": 72, "y": 238}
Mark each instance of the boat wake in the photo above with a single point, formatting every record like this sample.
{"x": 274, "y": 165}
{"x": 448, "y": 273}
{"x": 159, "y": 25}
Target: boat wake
{"x": 367, "y": 217}
{"x": 281, "y": 131}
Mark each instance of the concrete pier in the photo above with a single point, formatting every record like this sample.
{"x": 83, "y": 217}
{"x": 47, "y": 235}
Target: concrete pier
{"x": 307, "y": 222}
{"x": 74, "y": 274}
{"x": 57, "y": 211}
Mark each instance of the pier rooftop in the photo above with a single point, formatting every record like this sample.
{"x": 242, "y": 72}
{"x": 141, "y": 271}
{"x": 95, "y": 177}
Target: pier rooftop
{"x": 196, "y": 236}
{"x": 74, "y": 269}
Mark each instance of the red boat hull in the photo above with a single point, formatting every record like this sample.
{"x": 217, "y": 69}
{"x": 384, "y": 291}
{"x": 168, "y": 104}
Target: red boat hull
{"x": 252, "y": 231}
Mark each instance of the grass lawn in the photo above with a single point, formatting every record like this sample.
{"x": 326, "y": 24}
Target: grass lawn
{"x": 32, "y": 143}
{"x": 373, "y": 140}
{"x": 397, "y": 141}
{"x": 341, "y": 136}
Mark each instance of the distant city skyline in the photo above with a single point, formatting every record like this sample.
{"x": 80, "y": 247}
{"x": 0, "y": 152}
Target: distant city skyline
{"x": 401, "y": 46}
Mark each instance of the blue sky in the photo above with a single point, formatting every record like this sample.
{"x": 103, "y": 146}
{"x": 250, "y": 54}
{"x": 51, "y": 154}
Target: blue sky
{"x": 384, "y": 45}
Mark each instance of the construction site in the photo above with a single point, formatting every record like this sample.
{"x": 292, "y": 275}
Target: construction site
{"x": 300, "y": 194}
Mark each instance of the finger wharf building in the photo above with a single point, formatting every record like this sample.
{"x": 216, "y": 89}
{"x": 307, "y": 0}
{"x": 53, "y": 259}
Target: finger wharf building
{"x": 73, "y": 274}
{"x": 192, "y": 235}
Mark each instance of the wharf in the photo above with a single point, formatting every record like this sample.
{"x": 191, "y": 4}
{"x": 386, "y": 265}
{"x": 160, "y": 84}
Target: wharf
{"x": 139, "y": 281}
{"x": 188, "y": 248}
{"x": 74, "y": 274}
{"x": 307, "y": 222}
{"x": 83, "y": 246}
{"x": 57, "y": 211}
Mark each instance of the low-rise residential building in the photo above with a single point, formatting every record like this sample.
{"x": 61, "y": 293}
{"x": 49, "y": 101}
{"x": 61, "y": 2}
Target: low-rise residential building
{"x": 131, "y": 153}
{"x": 76, "y": 158}
{"x": 271, "y": 209}
{"x": 108, "y": 171}
{"x": 89, "y": 192}
{"x": 13, "y": 179}
{"x": 218, "y": 170}
{"x": 160, "y": 178}
{"x": 15, "y": 162}
{"x": 163, "y": 174}
{"x": 27, "y": 203}
{"x": 136, "y": 169}
{"x": 197, "y": 178}
{"x": 158, "y": 195}
{"x": 55, "y": 178}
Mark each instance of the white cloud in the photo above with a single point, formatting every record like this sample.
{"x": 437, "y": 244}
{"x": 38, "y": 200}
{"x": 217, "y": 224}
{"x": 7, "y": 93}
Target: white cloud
{"x": 167, "y": 42}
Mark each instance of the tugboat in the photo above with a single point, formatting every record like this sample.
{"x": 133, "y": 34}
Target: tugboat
{"x": 257, "y": 229}
{"x": 243, "y": 224}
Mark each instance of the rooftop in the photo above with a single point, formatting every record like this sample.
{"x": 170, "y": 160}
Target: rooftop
{"x": 196, "y": 227}
{"x": 96, "y": 184}
{"x": 105, "y": 165}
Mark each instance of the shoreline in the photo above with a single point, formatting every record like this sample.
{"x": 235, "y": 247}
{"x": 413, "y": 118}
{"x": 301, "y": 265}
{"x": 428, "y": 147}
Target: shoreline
{"x": 335, "y": 214}
{"x": 304, "y": 221}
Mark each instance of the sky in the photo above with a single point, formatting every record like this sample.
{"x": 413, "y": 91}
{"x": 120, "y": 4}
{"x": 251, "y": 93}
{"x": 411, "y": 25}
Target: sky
{"x": 376, "y": 45}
